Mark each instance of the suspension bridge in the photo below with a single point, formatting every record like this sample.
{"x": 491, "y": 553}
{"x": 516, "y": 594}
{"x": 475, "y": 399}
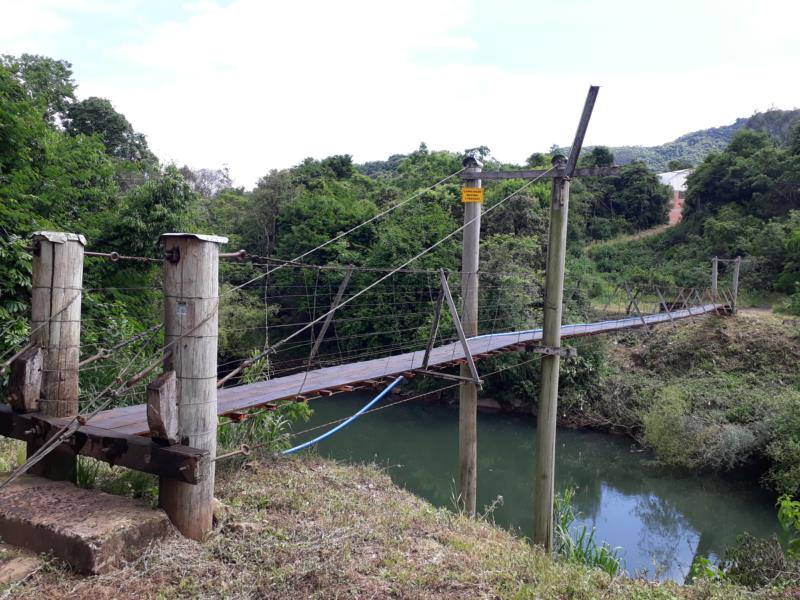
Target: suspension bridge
{"x": 172, "y": 431}
{"x": 370, "y": 374}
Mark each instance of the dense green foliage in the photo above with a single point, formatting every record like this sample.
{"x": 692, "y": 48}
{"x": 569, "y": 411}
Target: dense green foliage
{"x": 743, "y": 201}
{"x": 79, "y": 165}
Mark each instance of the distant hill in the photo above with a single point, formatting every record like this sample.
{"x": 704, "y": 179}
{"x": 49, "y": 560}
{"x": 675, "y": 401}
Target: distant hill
{"x": 694, "y": 147}
{"x": 691, "y": 147}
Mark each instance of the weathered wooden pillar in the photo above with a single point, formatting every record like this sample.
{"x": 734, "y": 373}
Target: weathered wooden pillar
{"x": 714, "y": 279}
{"x": 735, "y": 285}
{"x": 551, "y": 337}
{"x": 468, "y": 391}
{"x": 57, "y": 281}
{"x": 191, "y": 300}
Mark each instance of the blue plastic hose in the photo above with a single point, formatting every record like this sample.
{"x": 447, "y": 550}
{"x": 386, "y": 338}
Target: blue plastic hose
{"x": 344, "y": 424}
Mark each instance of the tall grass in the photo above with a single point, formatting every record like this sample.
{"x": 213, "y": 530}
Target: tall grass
{"x": 580, "y": 546}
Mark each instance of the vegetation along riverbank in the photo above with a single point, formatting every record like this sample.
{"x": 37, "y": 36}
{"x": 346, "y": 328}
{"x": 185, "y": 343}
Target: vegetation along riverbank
{"x": 313, "y": 528}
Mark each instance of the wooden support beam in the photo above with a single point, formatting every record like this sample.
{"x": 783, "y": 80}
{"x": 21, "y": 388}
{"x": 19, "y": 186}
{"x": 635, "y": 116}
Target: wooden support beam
{"x": 635, "y": 304}
{"x": 57, "y": 282}
{"x": 468, "y": 392}
{"x": 473, "y": 371}
{"x": 664, "y": 305}
{"x": 544, "y": 476}
{"x": 162, "y": 409}
{"x": 714, "y": 279}
{"x": 539, "y": 173}
{"x": 437, "y": 315}
{"x": 191, "y": 302}
{"x": 25, "y": 382}
{"x": 179, "y": 463}
{"x": 334, "y": 305}
{"x": 443, "y": 375}
{"x": 580, "y": 132}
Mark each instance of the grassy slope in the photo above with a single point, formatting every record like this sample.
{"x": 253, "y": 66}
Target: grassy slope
{"x": 313, "y": 528}
{"x": 706, "y": 394}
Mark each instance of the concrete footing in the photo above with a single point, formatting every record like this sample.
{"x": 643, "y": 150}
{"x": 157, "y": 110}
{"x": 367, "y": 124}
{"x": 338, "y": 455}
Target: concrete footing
{"x": 92, "y": 531}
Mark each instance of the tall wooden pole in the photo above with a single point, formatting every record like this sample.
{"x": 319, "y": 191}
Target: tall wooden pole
{"x": 714, "y": 279}
{"x": 544, "y": 476}
{"x": 191, "y": 300}
{"x": 735, "y": 284}
{"x": 551, "y": 336}
{"x": 57, "y": 277}
{"x": 468, "y": 391}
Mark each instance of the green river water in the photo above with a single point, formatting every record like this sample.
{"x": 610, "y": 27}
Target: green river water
{"x": 660, "y": 518}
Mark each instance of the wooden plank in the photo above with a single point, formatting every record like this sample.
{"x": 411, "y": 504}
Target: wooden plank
{"x": 180, "y": 463}
{"x": 132, "y": 419}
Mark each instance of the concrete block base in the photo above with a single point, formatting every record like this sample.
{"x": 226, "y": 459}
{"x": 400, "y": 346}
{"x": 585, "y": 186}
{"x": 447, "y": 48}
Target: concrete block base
{"x": 91, "y": 530}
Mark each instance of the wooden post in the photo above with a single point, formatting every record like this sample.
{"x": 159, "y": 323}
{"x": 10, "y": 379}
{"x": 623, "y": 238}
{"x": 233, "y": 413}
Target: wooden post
{"x": 551, "y": 337}
{"x": 468, "y": 391}
{"x": 735, "y": 284}
{"x": 57, "y": 278}
{"x": 714, "y": 279}
{"x": 191, "y": 302}
{"x": 544, "y": 489}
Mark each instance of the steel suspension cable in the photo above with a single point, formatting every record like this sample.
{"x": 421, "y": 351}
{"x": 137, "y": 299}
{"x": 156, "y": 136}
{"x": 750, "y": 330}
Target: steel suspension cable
{"x": 430, "y": 248}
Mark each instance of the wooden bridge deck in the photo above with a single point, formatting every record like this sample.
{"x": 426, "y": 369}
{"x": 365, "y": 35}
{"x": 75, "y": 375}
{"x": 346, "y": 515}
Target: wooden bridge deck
{"x": 132, "y": 420}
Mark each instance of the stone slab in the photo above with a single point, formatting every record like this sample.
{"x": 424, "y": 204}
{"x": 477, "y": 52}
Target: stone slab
{"x": 92, "y": 531}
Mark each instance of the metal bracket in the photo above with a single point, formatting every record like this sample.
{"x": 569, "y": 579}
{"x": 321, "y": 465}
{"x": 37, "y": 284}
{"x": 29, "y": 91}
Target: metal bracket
{"x": 566, "y": 352}
{"x": 173, "y": 255}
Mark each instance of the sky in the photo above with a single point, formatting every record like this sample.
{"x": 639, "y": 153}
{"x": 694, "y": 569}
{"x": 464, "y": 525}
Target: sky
{"x": 255, "y": 85}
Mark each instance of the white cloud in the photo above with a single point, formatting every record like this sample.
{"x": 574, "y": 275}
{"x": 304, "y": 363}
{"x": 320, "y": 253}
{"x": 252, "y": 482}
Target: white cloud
{"x": 263, "y": 84}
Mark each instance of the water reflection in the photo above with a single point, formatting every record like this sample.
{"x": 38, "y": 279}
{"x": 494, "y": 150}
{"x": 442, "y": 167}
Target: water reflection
{"x": 660, "y": 518}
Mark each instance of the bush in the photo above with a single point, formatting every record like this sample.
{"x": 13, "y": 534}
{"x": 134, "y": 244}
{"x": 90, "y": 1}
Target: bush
{"x": 784, "y": 447}
{"x": 756, "y": 563}
{"x": 695, "y": 427}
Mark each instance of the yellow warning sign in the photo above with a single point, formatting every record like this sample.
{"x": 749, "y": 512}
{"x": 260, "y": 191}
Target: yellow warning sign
{"x": 472, "y": 195}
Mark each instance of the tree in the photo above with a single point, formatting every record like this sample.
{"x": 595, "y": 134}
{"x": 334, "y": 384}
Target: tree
{"x": 482, "y": 152}
{"x": 97, "y": 116}
{"x": 207, "y": 182}
{"x": 157, "y": 207}
{"x": 599, "y": 156}
{"x": 48, "y": 82}
{"x": 272, "y": 194}
{"x": 794, "y": 140}
{"x": 537, "y": 159}
{"x": 747, "y": 142}
{"x": 679, "y": 164}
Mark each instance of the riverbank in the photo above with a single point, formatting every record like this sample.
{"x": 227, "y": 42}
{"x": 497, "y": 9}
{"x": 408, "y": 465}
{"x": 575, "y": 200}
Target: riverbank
{"x": 313, "y": 528}
{"x": 716, "y": 394}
